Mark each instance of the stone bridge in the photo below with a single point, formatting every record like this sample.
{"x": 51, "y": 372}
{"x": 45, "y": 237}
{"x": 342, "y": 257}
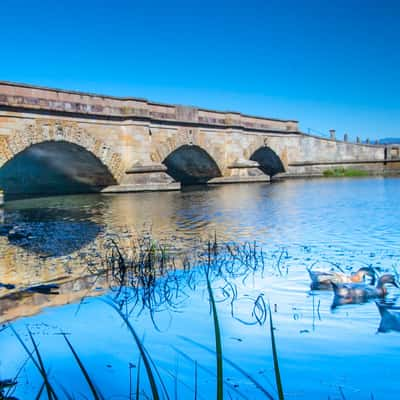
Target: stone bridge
{"x": 55, "y": 141}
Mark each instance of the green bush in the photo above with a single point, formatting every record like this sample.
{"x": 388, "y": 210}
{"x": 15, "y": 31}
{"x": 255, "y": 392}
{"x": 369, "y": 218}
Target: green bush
{"x": 344, "y": 172}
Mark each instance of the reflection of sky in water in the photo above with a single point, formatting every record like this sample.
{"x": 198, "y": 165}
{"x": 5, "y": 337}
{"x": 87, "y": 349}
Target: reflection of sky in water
{"x": 318, "y": 353}
{"x": 349, "y": 222}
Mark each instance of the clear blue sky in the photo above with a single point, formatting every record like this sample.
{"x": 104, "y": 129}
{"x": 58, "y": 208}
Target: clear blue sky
{"x": 326, "y": 63}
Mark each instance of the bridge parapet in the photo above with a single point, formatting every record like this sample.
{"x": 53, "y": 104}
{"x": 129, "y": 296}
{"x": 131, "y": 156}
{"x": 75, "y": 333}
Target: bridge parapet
{"x": 56, "y": 101}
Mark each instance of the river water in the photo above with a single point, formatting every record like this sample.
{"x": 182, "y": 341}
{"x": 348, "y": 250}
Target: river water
{"x": 323, "y": 352}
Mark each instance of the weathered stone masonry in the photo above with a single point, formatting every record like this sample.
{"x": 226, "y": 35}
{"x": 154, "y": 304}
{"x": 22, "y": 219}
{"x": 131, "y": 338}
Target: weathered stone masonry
{"x": 134, "y": 137}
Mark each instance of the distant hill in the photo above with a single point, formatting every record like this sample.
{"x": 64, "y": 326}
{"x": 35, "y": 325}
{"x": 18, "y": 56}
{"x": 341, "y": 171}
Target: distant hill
{"x": 387, "y": 140}
{"x": 390, "y": 140}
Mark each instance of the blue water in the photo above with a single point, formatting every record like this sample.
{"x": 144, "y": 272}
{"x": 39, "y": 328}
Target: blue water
{"x": 323, "y": 353}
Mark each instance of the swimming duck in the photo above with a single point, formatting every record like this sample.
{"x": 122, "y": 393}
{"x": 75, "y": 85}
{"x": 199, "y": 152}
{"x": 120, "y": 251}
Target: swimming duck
{"x": 348, "y": 293}
{"x": 324, "y": 279}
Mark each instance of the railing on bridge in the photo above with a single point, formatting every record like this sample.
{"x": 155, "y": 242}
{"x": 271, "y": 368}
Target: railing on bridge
{"x": 332, "y": 135}
{"x": 391, "y": 150}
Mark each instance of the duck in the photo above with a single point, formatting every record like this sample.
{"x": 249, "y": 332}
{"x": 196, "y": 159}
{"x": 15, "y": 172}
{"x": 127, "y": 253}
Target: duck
{"x": 390, "y": 317}
{"x": 350, "y": 293}
{"x": 324, "y": 279}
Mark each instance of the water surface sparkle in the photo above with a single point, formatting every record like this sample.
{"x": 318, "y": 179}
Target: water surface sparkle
{"x": 348, "y": 222}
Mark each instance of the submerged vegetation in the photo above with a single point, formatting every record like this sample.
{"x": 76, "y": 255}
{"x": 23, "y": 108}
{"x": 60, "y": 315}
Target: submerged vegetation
{"x": 344, "y": 172}
{"x": 151, "y": 276}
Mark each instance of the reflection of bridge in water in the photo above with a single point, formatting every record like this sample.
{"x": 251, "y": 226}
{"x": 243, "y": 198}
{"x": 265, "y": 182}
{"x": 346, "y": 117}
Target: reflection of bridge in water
{"x": 32, "y": 281}
{"x": 66, "y": 236}
{"x": 19, "y": 303}
{"x": 27, "y": 261}
{"x": 63, "y": 240}
{"x": 149, "y": 278}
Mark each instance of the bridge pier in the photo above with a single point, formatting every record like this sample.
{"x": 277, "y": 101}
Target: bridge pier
{"x": 151, "y": 177}
{"x": 146, "y": 187}
{"x": 242, "y": 171}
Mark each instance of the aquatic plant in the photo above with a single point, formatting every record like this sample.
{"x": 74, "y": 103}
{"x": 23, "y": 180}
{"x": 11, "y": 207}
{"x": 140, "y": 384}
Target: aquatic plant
{"x": 96, "y": 394}
{"x": 51, "y": 394}
{"x": 151, "y": 277}
{"x": 218, "y": 342}
{"x": 155, "y": 278}
{"x": 278, "y": 378}
{"x": 143, "y": 355}
{"x": 5, "y": 389}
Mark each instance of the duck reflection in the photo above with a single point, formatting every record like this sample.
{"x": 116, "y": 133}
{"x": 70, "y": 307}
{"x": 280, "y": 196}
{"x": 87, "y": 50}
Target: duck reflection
{"x": 390, "y": 316}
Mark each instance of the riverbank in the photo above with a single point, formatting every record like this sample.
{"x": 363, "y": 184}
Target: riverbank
{"x": 328, "y": 170}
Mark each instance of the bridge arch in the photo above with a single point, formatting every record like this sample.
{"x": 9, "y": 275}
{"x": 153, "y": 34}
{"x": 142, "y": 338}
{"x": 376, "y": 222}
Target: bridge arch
{"x": 55, "y": 159}
{"x": 191, "y": 164}
{"x": 270, "y": 163}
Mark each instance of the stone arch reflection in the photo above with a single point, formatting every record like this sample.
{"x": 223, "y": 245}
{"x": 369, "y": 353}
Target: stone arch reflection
{"x": 49, "y": 232}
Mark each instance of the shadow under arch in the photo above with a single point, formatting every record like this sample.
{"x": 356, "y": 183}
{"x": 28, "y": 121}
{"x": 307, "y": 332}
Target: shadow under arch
{"x": 58, "y": 233}
{"x": 54, "y": 167}
{"x": 269, "y": 161}
{"x": 191, "y": 165}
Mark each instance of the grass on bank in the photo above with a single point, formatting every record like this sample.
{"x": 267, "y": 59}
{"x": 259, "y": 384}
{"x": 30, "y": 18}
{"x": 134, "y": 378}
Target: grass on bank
{"x": 344, "y": 172}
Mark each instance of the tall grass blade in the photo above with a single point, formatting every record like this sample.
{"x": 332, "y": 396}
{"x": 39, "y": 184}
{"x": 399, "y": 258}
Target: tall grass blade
{"x": 67, "y": 395}
{"x": 218, "y": 342}
{"x": 155, "y": 369}
{"x": 14, "y": 381}
{"x": 147, "y": 365}
{"x": 95, "y": 393}
{"x": 41, "y": 365}
{"x": 175, "y": 378}
{"x": 130, "y": 378}
{"x": 39, "y": 392}
{"x": 211, "y": 373}
{"x": 234, "y": 365}
{"x": 30, "y": 354}
{"x": 138, "y": 378}
{"x": 275, "y": 357}
{"x": 195, "y": 380}
{"x": 179, "y": 380}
